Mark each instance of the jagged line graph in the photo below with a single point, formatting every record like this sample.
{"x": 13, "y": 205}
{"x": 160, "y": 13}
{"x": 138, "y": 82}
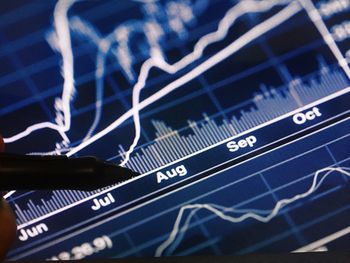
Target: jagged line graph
{"x": 63, "y": 105}
{"x": 292, "y": 9}
{"x": 63, "y": 39}
{"x": 158, "y": 61}
{"x": 260, "y": 29}
{"x": 264, "y": 216}
{"x": 315, "y": 18}
{"x": 61, "y": 42}
{"x": 213, "y": 37}
{"x": 220, "y": 34}
{"x": 104, "y": 46}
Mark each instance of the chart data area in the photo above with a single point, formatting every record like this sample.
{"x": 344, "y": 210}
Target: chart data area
{"x": 235, "y": 113}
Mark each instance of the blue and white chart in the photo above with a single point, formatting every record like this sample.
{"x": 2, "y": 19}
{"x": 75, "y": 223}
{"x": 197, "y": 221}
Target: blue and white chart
{"x": 235, "y": 113}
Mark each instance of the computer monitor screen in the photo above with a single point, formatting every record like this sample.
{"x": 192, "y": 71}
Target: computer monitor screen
{"x": 235, "y": 113}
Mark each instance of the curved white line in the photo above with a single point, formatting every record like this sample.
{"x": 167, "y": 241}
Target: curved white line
{"x": 222, "y": 212}
{"x": 62, "y": 104}
{"x": 61, "y": 23}
{"x": 157, "y": 60}
{"x": 236, "y": 45}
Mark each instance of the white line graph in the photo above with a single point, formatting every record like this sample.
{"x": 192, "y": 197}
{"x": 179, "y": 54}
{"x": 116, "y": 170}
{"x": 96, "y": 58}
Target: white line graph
{"x": 158, "y": 61}
{"x": 60, "y": 40}
{"x": 239, "y": 215}
{"x": 224, "y": 25}
{"x": 252, "y": 34}
{"x": 62, "y": 105}
{"x": 63, "y": 44}
{"x": 63, "y": 119}
{"x": 122, "y": 54}
{"x": 241, "y": 8}
{"x": 255, "y": 32}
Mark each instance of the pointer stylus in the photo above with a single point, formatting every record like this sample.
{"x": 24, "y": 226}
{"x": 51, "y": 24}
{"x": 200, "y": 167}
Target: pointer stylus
{"x": 25, "y": 172}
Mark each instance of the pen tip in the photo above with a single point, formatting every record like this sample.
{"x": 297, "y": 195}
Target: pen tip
{"x": 119, "y": 174}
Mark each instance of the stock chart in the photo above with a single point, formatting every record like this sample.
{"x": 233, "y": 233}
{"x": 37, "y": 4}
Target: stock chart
{"x": 235, "y": 113}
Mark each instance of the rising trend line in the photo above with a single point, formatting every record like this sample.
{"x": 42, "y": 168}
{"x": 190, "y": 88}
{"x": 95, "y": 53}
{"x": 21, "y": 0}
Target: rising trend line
{"x": 224, "y": 25}
{"x": 236, "y": 45}
{"x": 62, "y": 105}
{"x": 158, "y": 61}
{"x": 60, "y": 40}
{"x": 222, "y": 212}
{"x": 63, "y": 38}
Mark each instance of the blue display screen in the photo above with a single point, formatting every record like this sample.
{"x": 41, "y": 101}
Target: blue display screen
{"x": 235, "y": 113}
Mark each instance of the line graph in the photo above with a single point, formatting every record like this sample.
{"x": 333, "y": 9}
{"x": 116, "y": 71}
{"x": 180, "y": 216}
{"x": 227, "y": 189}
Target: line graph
{"x": 167, "y": 87}
{"x": 223, "y": 212}
{"x": 63, "y": 36}
{"x": 62, "y": 104}
{"x": 207, "y": 40}
{"x": 249, "y": 36}
{"x": 157, "y": 60}
{"x": 61, "y": 41}
{"x": 219, "y": 34}
{"x": 62, "y": 28}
